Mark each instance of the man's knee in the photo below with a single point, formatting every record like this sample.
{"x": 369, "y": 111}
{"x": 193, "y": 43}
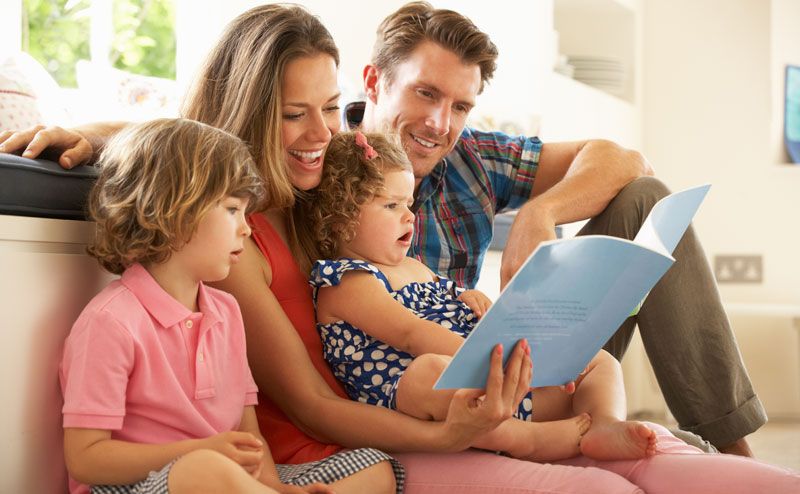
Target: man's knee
{"x": 644, "y": 191}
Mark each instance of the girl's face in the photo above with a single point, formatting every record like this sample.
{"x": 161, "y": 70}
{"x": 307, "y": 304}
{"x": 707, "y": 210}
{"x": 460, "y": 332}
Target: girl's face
{"x": 386, "y": 223}
{"x": 310, "y": 116}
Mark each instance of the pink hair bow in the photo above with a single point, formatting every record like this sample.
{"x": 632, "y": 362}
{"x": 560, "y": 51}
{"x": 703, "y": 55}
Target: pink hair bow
{"x": 361, "y": 140}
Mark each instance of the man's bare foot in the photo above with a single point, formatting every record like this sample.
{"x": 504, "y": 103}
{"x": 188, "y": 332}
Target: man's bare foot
{"x": 740, "y": 448}
{"x": 556, "y": 440}
{"x": 619, "y": 441}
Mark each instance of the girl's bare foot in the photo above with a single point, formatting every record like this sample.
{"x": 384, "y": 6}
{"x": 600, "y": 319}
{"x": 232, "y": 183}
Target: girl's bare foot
{"x": 554, "y": 440}
{"x": 619, "y": 441}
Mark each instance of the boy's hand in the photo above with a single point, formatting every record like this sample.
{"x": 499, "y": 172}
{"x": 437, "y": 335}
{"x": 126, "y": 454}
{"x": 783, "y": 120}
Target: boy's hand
{"x": 315, "y": 488}
{"x": 242, "y": 447}
{"x": 477, "y": 301}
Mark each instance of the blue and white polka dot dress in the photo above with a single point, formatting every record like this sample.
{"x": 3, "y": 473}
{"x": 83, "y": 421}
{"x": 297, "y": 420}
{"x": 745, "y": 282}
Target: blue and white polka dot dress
{"x": 369, "y": 368}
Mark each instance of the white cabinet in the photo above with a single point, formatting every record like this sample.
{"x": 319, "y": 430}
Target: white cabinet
{"x": 47, "y": 280}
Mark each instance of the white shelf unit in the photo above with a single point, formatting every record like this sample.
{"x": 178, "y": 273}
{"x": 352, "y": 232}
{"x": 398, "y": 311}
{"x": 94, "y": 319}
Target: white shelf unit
{"x": 572, "y": 110}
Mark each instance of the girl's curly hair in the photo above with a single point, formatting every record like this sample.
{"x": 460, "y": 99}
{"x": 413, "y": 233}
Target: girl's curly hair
{"x": 349, "y": 180}
{"x": 158, "y": 179}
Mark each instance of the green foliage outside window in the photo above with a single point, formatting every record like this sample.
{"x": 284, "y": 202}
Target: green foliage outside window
{"x": 56, "y": 33}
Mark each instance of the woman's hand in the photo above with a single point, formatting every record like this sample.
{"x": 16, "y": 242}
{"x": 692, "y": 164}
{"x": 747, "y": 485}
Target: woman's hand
{"x": 474, "y": 412}
{"x": 69, "y": 147}
{"x": 477, "y": 301}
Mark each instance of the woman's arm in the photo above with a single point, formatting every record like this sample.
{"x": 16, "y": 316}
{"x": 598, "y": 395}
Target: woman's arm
{"x": 71, "y": 147}
{"x": 362, "y": 300}
{"x": 284, "y": 372}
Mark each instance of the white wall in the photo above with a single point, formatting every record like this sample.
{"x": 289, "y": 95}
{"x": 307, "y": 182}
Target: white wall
{"x": 10, "y": 29}
{"x": 708, "y": 117}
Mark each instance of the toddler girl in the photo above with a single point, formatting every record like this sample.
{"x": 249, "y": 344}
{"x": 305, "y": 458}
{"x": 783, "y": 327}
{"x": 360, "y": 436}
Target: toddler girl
{"x": 390, "y": 325}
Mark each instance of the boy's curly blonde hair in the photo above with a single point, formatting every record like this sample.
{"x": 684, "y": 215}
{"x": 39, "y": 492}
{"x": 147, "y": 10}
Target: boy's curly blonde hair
{"x": 158, "y": 179}
{"x": 349, "y": 180}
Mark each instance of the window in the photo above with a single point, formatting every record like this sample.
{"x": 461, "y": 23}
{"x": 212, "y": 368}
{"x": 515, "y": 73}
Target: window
{"x": 136, "y": 36}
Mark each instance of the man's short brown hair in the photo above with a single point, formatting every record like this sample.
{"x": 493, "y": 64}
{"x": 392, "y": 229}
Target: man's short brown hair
{"x": 401, "y": 32}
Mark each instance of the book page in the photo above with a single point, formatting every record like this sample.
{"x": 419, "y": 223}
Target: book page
{"x": 571, "y": 295}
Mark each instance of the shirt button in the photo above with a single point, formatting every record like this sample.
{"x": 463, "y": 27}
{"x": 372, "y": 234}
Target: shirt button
{"x": 189, "y": 324}
{"x": 200, "y": 357}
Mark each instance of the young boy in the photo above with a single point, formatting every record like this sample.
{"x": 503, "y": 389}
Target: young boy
{"x": 158, "y": 396}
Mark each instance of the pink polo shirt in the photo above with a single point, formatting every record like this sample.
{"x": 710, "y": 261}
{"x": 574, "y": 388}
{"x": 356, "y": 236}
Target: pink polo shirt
{"x": 142, "y": 365}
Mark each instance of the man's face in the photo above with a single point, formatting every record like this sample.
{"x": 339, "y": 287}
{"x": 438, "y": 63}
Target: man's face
{"x": 427, "y": 103}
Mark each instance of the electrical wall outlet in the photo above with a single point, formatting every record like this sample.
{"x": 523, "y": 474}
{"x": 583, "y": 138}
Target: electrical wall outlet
{"x": 738, "y": 269}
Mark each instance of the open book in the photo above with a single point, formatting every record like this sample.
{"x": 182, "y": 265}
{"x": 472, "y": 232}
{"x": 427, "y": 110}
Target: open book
{"x": 571, "y": 295}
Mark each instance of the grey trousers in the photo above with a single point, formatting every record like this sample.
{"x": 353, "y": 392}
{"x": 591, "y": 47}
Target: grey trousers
{"x": 685, "y": 331}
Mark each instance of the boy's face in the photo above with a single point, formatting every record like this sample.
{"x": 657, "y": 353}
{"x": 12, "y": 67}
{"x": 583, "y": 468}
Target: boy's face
{"x": 385, "y": 224}
{"x": 427, "y": 103}
{"x": 217, "y": 243}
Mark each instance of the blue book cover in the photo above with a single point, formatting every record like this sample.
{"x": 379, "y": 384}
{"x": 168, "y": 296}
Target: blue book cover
{"x": 571, "y": 295}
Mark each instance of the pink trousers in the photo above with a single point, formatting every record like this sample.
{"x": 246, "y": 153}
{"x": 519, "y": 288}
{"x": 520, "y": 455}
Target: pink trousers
{"x": 676, "y": 468}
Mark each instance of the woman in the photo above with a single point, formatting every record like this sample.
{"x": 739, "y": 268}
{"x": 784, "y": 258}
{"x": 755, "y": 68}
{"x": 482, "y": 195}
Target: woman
{"x": 261, "y": 84}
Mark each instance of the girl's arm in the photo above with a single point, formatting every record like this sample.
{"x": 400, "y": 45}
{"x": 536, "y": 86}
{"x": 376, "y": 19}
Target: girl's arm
{"x": 362, "y": 300}
{"x": 283, "y": 371}
{"x": 93, "y": 458}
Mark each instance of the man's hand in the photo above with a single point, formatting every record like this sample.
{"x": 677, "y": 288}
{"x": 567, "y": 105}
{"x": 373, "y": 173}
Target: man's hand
{"x": 532, "y": 226}
{"x": 68, "y": 147}
{"x": 477, "y": 301}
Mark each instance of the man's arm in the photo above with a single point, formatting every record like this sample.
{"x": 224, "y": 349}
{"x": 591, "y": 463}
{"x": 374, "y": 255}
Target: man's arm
{"x": 574, "y": 181}
{"x": 71, "y": 147}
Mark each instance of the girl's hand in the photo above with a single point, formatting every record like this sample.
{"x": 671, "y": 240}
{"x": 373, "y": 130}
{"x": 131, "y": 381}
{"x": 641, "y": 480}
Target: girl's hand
{"x": 477, "y": 301}
{"x": 242, "y": 447}
{"x": 69, "y": 147}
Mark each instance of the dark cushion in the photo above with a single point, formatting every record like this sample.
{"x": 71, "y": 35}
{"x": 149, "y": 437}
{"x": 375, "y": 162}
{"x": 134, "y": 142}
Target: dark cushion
{"x": 43, "y": 188}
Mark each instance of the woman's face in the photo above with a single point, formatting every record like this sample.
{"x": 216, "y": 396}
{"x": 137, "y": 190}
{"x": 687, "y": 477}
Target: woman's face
{"x": 310, "y": 116}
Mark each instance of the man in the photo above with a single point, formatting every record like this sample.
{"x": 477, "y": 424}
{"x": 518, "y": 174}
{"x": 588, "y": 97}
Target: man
{"x": 428, "y": 66}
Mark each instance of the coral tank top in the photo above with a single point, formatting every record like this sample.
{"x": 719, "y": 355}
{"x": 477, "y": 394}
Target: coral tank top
{"x": 287, "y": 443}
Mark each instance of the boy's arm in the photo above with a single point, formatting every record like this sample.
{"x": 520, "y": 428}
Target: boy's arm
{"x": 93, "y": 458}
{"x": 269, "y": 474}
{"x": 362, "y": 300}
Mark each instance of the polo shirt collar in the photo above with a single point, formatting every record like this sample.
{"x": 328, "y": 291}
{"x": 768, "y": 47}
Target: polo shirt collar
{"x": 161, "y": 305}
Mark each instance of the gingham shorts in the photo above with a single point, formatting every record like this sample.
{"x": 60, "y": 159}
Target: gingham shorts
{"x": 339, "y": 466}
{"x": 155, "y": 483}
{"x": 328, "y": 470}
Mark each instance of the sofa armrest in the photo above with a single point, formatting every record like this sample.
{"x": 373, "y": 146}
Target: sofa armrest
{"x": 43, "y": 188}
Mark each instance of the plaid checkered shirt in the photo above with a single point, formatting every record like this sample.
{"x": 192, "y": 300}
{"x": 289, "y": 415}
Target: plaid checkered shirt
{"x": 487, "y": 173}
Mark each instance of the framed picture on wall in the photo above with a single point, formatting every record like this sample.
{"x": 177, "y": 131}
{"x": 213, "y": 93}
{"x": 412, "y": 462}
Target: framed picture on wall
{"x": 792, "y": 116}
